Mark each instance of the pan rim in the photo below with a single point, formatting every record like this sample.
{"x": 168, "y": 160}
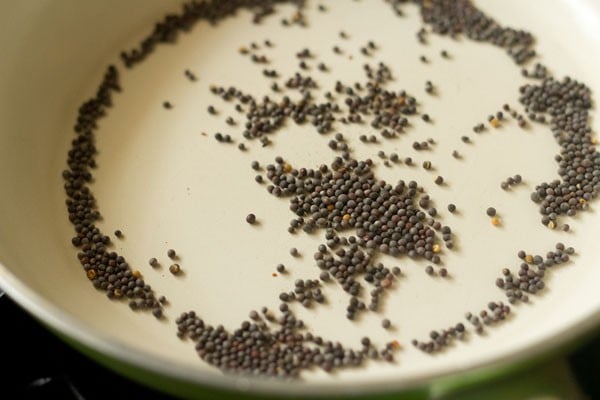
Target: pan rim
{"x": 48, "y": 313}
{"x": 45, "y": 309}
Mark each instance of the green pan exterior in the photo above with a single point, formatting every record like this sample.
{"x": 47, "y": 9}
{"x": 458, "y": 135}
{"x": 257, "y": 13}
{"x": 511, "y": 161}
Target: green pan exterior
{"x": 545, "y": 375}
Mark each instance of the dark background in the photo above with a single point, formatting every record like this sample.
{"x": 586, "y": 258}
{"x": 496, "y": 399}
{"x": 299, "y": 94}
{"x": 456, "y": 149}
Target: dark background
{"x": 37, "y": 365}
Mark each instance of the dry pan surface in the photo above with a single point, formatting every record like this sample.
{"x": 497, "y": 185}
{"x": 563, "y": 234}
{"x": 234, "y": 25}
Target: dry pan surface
{"x": 184, "y": 190}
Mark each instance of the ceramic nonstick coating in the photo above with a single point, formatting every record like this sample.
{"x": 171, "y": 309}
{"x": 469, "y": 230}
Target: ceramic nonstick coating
{"x": 165, "y": 185}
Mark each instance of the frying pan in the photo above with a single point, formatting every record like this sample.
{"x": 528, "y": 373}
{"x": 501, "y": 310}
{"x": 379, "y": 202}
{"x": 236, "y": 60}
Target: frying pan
{"x": 166, "y": 185}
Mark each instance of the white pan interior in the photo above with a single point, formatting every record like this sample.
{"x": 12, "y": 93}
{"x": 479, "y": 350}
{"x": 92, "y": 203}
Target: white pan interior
{"x": 165, "y": 185}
